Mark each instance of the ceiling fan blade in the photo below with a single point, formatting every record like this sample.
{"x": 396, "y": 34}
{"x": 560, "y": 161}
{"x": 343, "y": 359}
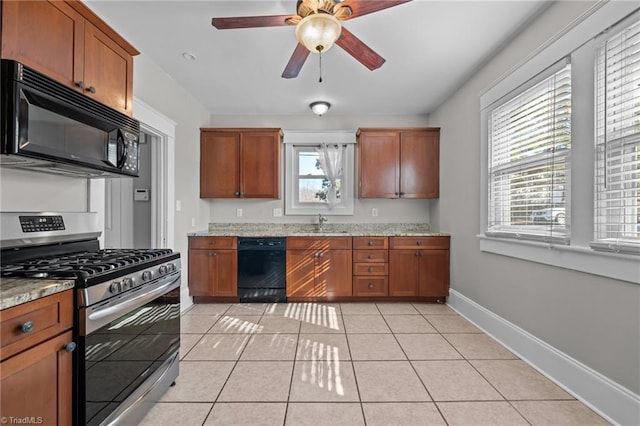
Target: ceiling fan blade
{"x": 356, "y": 48}
{"x": 250, "y": 22}
{"x": 363, "y": 7}
{"x": 296, "y": 62}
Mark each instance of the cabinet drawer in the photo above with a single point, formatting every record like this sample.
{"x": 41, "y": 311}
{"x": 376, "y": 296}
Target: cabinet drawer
{"x": 419, "y": 242}
{"x": 371, "y": 256}
{"x": 327, "y": 243}
{"x": 370, "y": 243}
{"x": 370, "y": 286}
{"x": 45, "y": 317}
{"x": 370, "y": 269}
{"x": 213, "y": 243}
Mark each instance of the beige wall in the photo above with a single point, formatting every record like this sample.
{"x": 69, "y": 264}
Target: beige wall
{"x": 590, "y": 318}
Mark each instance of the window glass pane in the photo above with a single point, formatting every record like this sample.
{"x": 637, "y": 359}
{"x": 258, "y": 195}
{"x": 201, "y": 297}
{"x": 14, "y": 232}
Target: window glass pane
{"x": 312, "y": 190}
{"x": 308, "y": 164}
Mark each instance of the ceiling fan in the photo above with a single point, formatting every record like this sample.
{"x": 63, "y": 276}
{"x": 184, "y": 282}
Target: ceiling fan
{"x": 317, "y": 28}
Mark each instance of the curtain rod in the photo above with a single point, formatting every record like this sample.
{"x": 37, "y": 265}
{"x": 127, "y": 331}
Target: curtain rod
{"x": 319, "y": 146}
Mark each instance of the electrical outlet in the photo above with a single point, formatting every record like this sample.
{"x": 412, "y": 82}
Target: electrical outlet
{"x": 374, "y": 212}
{"x": 277, "y": 212}
{"x": 239, "y": 212}
{"x": 193, "y": 222}
{"x": 178, "y": 205}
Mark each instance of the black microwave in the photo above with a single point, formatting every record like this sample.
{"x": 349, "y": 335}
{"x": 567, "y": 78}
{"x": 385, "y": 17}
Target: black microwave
{"x": 49, "y": 127}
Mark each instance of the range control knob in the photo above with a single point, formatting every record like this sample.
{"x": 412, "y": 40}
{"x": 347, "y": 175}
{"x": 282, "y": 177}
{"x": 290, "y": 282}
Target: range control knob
{"x": 172, "y": 267}
{"x": 162, "y": 270}
{"x": 146, "y": 276}
{"x": 115, "y": 287}
{"x": 127, "y": 283}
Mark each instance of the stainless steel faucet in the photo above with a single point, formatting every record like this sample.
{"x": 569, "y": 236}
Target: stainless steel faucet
{"x": 321, "y": 221}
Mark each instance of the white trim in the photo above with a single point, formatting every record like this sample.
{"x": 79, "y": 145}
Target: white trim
{"x": 583, "y": 259}
{"x": 612, "y": 401}
{"x": 164, "y": 125}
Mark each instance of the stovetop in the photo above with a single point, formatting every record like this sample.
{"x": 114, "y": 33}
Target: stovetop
{"x": 82, "y": 264}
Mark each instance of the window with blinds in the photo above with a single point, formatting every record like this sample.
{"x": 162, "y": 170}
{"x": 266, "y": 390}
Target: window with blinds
{"x": 617, "y": 155}
{"x": 529, "y": 142}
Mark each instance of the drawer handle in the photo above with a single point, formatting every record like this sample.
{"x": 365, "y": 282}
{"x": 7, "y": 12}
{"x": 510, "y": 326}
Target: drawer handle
{"x": 213, "y": 254}
{"x": 370, "y": 243}
{"x": 212, "y": 242}
{"x": 419, "y": 242}
{"x": 27, "y": 327}
{"x": 70, "y": 347}
{"x": 370, "y": 268}
{"x": 370, "y": 256}
{"x": 370, "y": 286}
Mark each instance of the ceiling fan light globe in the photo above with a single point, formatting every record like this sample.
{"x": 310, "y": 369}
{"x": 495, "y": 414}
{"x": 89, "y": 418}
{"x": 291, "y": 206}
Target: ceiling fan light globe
{"x": 318, "y": 32}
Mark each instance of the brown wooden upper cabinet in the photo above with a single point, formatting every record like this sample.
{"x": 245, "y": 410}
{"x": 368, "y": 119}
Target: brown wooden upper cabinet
{"x": 240, "y": 163}
{"x": 69, "y": 43}
{"x": 398, "y": 163}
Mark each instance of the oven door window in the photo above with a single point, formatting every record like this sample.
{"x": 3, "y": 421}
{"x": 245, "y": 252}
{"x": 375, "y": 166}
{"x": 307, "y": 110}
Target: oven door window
{"x": 122, "y": 354}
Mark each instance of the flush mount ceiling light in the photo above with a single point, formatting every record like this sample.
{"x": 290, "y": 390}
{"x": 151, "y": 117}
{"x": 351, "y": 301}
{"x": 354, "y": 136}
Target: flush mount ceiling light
{"x": 188, "y": 56}
{"x": 319, "y": 107}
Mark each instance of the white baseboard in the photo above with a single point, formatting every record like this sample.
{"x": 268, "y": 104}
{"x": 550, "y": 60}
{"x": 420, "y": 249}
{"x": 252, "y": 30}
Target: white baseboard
{"x": 612, "y": 401}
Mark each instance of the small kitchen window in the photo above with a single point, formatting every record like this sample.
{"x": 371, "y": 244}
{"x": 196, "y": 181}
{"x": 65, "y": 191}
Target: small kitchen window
{"x": 319, "y": 173}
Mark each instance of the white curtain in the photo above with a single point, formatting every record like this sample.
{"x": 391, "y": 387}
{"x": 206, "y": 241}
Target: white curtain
{"x": 330, "y": 157}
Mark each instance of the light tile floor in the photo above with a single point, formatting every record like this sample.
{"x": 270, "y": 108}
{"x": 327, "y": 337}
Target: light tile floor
{"x": 353, "y": 364}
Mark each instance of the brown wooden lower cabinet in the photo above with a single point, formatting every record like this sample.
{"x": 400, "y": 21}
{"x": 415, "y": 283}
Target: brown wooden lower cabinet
{"x": 319, "y": 267}
{"x": 213, "y": 267}
{"x": 36, "y": 373}
{"x": 416, "y": 271}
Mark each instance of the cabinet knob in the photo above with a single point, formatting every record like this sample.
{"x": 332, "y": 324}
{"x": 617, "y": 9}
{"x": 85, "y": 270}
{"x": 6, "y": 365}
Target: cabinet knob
{"x": 70, "y": 347}
{"x": 91, "y": 89}
{"x": 370, "y": 286}
{"x": 27, "y": 327}
{"x": 401, "y": 194}
{"x": 370, "y": 268}
{"x": 213, "y": 254}
{"x": 370, "y": 243}
{"x": 80, "y": 84}
{"x": 237, "y": 193}
{"x": 419, "y": 242}
{"x": 370, "y": 256}
{"x": 212, "y": 242}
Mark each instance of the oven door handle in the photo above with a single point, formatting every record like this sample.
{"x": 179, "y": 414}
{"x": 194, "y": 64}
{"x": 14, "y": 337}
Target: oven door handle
{"x": 139, "y": 300}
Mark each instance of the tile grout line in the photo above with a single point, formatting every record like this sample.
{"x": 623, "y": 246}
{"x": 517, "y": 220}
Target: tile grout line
{"x": 293, "y": 369}
{"x": 353, "y": 367}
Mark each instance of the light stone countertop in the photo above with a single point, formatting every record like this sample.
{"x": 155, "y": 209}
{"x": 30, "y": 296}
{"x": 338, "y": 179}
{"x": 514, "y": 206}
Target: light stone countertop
{"x": 15, "y": 291}
{"x": 311, "y": 230}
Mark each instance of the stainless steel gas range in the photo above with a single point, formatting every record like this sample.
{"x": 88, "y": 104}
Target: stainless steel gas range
{"x": 127, "y": 310}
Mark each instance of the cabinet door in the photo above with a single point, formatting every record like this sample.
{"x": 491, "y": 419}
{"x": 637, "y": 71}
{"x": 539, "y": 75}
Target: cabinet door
{"x": 404, "y": 270}
{"x": 419, "y": 164}
{"x": 108, "y": 70}
{"x": 260, "y": 164}
{"x": 334, "y": 273}
{"x": 301, "y": 273}
{"x": 434, "y": 273}
{"x": 213, "y": 273}
{"x": 47, "y": 36}
{"x": 37, "y": 383}
{"x": 219, "y": 164}
{"x": 378, "y": 161}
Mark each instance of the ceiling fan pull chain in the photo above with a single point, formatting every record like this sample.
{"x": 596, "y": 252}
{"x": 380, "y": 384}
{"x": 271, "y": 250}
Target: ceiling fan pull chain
{"x": 320, "y": 62}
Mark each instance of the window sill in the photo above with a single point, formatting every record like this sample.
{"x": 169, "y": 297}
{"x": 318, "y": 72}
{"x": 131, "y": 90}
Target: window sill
{"x": 578, "y": 258}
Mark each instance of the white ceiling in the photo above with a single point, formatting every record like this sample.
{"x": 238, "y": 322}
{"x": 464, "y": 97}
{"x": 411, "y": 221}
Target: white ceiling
{"x": 430, "y": 47}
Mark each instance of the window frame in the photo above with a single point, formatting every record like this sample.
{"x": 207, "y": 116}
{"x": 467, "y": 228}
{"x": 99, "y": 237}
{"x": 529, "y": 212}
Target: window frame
{"x": 578, "y": 41}
{"x": 297, "y": 141}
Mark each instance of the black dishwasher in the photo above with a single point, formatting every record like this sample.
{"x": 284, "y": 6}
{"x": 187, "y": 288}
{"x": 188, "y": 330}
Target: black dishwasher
{"x": 262, "y": 269}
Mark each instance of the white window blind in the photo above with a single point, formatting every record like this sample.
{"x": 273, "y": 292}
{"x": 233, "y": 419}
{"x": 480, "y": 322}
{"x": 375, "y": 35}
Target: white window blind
{"x": 617, "y": 165}
{"x": 529, "y": 142}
